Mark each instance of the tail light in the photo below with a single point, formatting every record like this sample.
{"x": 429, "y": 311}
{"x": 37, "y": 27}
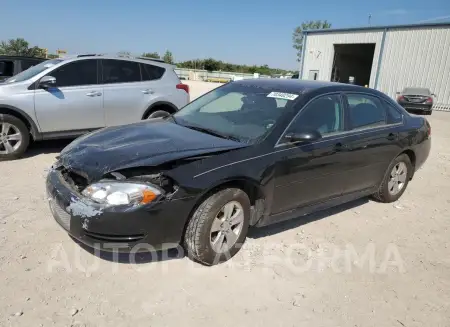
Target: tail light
{"x": 429, "y": 100}
{"x": 182, "y": 86}
{"x": 400, "y": 98}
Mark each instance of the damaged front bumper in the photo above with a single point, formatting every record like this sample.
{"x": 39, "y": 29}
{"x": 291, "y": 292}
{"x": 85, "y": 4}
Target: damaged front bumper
{"x": 158, "y": 225}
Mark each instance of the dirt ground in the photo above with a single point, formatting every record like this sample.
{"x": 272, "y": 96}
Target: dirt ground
{"x": 361, "y": 264}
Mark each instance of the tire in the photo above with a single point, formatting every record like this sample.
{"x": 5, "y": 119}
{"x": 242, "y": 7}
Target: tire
{"x": 384, "y": 194}
{"x": 199, "y": 238}
{"x": 10, "y": 125}
{"x": 429, "y": 112}
{"x": 158, "y": 114}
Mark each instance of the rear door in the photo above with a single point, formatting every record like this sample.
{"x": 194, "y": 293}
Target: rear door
{"x": 126, "y": 95}
{"x": 76, "y": 103}
{"x": 373, "y": 139}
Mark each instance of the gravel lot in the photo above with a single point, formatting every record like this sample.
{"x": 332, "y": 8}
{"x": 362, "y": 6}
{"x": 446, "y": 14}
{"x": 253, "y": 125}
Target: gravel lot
{"x": 362, "y": 264}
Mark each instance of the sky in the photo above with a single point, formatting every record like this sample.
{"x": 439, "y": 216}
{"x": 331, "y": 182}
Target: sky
{"x": 237, "y": 31}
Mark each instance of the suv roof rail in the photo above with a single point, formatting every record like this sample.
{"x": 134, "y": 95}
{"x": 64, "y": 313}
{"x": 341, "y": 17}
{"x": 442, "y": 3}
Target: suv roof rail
{"x": 120, "y": 55}
{"x": 152, "y": 59}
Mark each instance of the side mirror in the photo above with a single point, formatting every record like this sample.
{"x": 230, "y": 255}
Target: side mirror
{"x": 397, "y": 92}
{"x": 433, "y": 95}
{"x": 47, "y": 82}
{"x": 305, "y": 137}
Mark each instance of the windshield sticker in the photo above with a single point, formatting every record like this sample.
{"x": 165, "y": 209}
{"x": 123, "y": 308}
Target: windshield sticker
{"x": 280, "y": 95}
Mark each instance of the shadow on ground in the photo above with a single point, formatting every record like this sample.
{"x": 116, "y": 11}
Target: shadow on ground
{"x": 255, "y": 233}
{"x": 303, "y": 220}
{"x": 45, "y": 147}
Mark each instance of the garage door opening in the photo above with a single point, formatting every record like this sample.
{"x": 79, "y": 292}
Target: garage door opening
{"x": 353, "y": 60}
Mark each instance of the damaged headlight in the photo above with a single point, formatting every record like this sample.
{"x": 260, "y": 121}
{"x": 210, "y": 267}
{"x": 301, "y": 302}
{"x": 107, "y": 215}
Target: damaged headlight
{"x": 114, "y": 193}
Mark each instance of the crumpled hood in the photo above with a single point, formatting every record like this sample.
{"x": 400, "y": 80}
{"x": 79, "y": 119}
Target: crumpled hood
{"x": 149, "y": 143}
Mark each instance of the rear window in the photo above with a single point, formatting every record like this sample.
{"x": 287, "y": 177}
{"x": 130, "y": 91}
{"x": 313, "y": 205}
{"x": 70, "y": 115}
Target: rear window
{"x": 151, "y": 72}
{"x": 6, "y": 68}
{"x": 120, "y": 71}
{"x": 416, "y": 91}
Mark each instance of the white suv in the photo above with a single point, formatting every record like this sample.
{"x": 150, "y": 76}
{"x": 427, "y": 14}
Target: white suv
{"x": 67, "y": 97}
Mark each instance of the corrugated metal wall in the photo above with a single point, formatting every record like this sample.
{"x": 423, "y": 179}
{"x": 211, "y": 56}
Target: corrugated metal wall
{"x": 417, "y": 57}
{"x": 411, "y": 57}
{"x": 319, "y": 52}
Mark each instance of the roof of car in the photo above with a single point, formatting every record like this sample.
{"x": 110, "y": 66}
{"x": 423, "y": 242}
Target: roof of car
{"x": 298, "y": 86}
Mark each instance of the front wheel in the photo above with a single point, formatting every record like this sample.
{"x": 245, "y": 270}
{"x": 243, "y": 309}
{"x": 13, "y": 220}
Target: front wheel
{"x": 218, "y": 228}
{"x": 14, "y": 137}
{"x": 396, "y": 180}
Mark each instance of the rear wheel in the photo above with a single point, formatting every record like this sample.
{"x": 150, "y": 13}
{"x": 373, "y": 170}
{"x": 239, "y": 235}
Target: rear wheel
{"x": 396, "y": 180}
{"x": 218, "y": 227}
{"x": 14, "y": 137}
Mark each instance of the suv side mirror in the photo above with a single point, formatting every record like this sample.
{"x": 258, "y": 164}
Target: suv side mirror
{"x": 305, "y": 137}
{"x": 47, "y": 82}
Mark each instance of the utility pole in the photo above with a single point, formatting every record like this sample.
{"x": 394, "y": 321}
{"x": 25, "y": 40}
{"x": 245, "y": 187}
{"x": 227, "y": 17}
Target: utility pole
{"x": 370, "y": 16}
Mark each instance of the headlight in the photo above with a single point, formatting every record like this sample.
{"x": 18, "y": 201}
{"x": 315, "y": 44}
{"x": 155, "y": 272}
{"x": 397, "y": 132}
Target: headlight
{"x": 113, "y": 193}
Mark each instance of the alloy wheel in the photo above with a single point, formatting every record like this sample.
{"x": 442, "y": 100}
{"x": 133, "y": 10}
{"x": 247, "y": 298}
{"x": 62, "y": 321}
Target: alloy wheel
{"x": 227, "y": 227}
{"x": 10, "y": 138}
{"x": 397, "y": 179}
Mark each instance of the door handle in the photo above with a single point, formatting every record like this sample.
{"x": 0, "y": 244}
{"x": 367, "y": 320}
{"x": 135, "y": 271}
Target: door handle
{"x": 147, "y": 91}
{"x": 94, "y": 94}
{"x": 392, "y": 137}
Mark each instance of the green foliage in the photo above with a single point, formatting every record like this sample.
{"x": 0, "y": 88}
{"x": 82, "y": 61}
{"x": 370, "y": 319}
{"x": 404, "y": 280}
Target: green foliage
{"x": 211, "y": 64}
{"x": 168, "y": 57}
{"x": 151, "y": 55}
{"x": 20, "y": 47}
{"x": 52, "y": 56}
{"x": 297, "y": 35}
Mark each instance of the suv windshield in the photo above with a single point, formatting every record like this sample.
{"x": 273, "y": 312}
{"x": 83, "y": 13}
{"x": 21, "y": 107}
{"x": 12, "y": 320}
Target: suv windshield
{"x": 236, "y": 111}
{"x": 33, "y": 71}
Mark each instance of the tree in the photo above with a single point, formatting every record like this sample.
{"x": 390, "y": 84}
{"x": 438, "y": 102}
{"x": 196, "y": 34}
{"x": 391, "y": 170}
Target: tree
{"x": 52, "y": 56}
{"x": 297, "y": 36}
{"x": 151, "y": 55}
{"x": 168, "y": 58}
{"x": 20, "y": 47}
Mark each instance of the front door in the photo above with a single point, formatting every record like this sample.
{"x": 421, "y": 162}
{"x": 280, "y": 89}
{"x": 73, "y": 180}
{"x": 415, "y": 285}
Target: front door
{"x": 315, "y": 172}
{"x": 76, "y": 103}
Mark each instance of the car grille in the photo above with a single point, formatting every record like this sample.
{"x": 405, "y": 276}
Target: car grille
{"x": 61, "y": 216}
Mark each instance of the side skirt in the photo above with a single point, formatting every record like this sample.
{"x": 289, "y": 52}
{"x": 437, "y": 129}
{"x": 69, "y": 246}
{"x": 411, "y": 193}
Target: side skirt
{"x": 303, "y": 211}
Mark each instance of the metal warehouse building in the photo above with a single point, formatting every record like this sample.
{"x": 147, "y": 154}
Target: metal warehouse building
{"x": 386, "y": 58}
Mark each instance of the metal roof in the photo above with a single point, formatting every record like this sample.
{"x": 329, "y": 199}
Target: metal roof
{"x": 381, "y": 27}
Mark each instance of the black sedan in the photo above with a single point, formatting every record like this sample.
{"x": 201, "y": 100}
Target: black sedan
{"x": 416, "y": 100}
{"x": 249, "y": 153}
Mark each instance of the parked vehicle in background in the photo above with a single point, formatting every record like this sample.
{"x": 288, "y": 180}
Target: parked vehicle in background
{"x": 249, "y": 153}
{"x": 416, "y": 99}
{"x": 13, "y": 65}
{"x": 295, "y": 76}
{"x": 63, "y": 98}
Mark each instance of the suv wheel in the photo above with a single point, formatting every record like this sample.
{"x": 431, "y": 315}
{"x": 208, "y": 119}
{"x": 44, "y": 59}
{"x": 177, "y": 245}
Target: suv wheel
{"x": 14, "y": 137}
{"x": 218, "y": 228}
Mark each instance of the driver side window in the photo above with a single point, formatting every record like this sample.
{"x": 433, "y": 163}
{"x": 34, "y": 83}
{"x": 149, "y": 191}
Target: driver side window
{"x": 324, "y": 115}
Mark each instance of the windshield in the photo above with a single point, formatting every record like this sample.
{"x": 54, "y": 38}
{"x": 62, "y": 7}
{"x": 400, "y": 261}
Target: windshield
{"x": 33, "y": 71}
{"x": 236, "y": 111}
{"x": 416, "y": 91}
